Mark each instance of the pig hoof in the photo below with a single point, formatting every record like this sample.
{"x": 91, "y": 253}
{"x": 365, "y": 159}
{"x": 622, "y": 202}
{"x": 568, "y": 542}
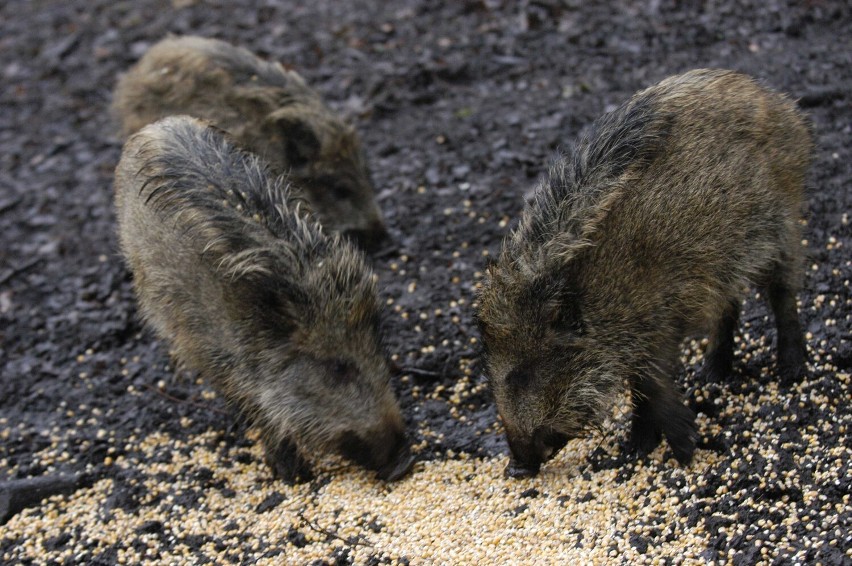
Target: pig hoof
{"x": 681, "y": 433}
{"x": 290, "y": 474}
{"x": 791, "y": 369}
{"x": 715, "y": 371}
{"x": 287, "y": 464}
{"x": 644, "y": 437}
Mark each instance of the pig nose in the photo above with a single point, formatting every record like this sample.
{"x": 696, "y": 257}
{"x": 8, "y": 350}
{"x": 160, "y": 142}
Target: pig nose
{"x": 388, "y": 454}
{"x": 525, "y": 461}
{"x": 398, "y": 466}
{"x": 530, "y": 452}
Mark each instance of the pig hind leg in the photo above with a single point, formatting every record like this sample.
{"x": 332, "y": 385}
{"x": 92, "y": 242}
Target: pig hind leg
{"x": 719, "y": 360}
{"x": 792, "y": 351}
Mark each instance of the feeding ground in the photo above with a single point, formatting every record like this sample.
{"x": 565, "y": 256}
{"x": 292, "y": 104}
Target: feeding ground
{"x": 461, "y": 105}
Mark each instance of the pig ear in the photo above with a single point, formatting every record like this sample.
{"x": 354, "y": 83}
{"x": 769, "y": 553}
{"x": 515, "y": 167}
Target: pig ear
{"x": 520, "y": 377}
{"x": 250, "y": 277}
{"x": 563, "y": 309}
{"x": 569, "y": 315}
{"x": 300, "y": 140}
{"x": 252, "y": 103}
{"x": 264, "y": 302}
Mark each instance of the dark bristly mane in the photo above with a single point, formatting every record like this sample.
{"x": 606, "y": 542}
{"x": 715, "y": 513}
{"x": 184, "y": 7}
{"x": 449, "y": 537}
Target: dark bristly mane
{"x": 188, "y": 178}
{"x": 630, "y": 136}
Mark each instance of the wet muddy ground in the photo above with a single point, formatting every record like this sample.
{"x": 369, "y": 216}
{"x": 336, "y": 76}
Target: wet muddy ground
{"x": 460, "y": 105}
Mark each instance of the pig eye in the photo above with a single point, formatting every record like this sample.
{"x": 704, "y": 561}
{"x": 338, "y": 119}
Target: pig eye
{"x": 339, "y": 191}
{"x": 519, "y": 377}
{"x": 332, "y": 187}
{"x": 567, "y": 317}
{"x": 571, "y": 323}
{"x": 343, "y": 371}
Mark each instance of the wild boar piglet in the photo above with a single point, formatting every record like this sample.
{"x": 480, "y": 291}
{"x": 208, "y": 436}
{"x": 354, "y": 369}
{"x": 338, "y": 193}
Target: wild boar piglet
{"x": 646, "y": 232}
{"x": 250, "y": 292}
{"x": 268, "y": 110}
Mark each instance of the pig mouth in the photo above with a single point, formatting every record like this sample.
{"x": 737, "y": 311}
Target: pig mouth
{"x": 516, "y": 470}
{"x": 398, "y": 467}
{"x": 529, "y": 454}
{"x": 389, "y": 463}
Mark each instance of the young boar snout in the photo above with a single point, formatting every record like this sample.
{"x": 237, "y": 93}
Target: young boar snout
{"x": 530, "y": 452}
{"x": 388, "y": 454}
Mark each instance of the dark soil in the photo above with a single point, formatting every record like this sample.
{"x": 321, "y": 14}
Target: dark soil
{"x": 460, "y": 104}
